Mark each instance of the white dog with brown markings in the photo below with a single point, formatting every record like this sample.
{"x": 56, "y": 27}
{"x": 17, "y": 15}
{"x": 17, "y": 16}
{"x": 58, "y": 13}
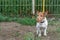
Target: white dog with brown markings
{"x": 42, "y": 23}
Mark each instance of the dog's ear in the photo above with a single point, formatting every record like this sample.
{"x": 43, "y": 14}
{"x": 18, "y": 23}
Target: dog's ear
{"x": 45, "y": 13}
{"x": 37, "y": 12}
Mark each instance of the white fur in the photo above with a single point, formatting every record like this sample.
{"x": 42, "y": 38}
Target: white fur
{"x": 44, "y": 25}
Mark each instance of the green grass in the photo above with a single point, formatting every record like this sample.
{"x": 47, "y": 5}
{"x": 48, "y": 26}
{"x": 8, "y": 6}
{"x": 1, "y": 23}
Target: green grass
{"x": 53, "y": 22}
{"x": 0, "y": 28}
{"x": 27, "y": 21}
{"x": 37, "y": 38}
{"x": 58, "y": 30}
{"x": 28, "y": 36}
{"x": 17, "y": 34}
{"x": 24, "y": 21}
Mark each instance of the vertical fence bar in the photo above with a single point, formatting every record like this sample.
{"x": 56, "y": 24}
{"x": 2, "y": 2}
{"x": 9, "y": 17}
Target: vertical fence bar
{"x": 57, "y": 6}
{"x": 4, "y": 6}
{"x": 43, "y": 7}
{"x": 38, "y": 5}
{"x": 1, "y": 6}
{"x": 33, "y": 7}
{"x": 20, "y": 8}
{"x": 26, "y": 6}
{"x": 48, "y": 6}
{"x": 29, "y": 7}
{"x": 23, "y": 7}
{"x": 53, "y": 6}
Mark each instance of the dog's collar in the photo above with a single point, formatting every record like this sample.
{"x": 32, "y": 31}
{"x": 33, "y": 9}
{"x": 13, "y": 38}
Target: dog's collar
{"x": 42, "y": 22}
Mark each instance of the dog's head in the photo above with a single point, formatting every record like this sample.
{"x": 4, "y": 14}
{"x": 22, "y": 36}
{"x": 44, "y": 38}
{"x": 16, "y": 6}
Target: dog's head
{"x": 41, "y": 15}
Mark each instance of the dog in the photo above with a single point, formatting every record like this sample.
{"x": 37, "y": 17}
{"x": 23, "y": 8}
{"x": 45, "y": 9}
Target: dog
{"x": 42, "y": 23}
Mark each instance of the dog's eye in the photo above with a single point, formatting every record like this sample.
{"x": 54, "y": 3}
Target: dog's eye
{"x": 41, "y": 15}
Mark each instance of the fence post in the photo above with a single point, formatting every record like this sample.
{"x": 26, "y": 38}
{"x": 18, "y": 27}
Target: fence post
{"x": 33, "y": 7}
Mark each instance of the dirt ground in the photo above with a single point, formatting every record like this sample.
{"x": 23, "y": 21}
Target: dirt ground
{"x": 16, "y": 31}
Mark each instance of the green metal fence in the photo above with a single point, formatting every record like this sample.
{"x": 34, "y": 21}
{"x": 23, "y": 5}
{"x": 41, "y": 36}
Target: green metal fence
{"x": 24, "y": 7}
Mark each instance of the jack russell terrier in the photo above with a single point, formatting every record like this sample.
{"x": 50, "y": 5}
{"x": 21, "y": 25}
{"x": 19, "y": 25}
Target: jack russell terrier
{"x": 42, "y": 23}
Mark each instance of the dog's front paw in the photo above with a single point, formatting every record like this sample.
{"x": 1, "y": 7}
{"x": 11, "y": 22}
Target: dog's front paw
{"x": 39, "y": 35}
{"x": 45, "y": 34}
